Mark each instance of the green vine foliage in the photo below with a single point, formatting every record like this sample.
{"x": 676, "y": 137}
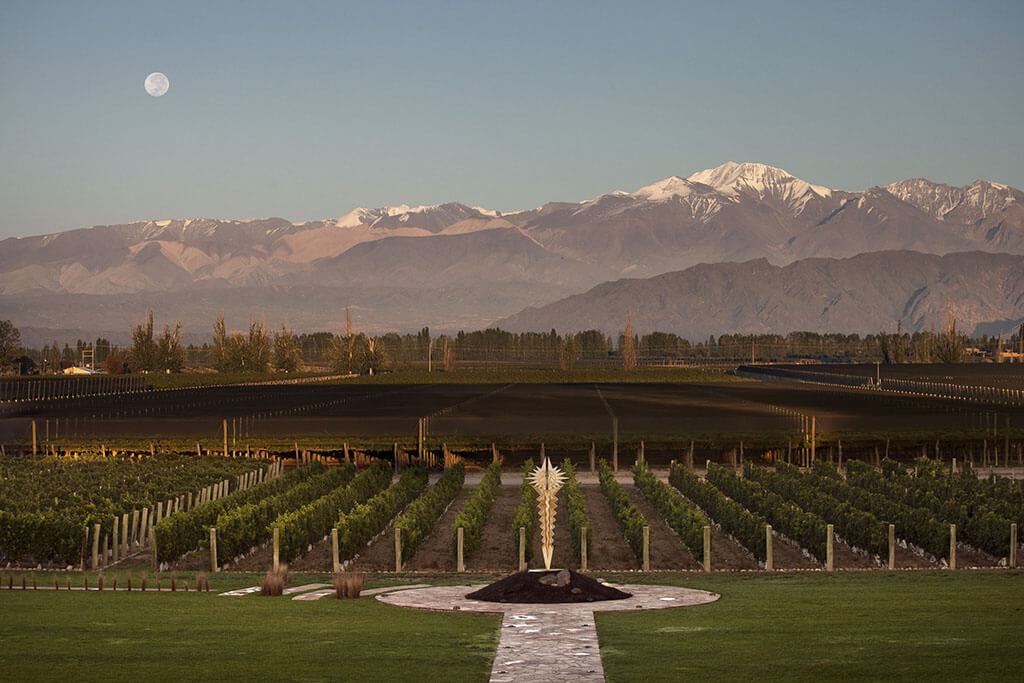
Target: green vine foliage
{"x": 47, "y": 502}
{"x": 185, "y": 531}
{"x": 686, "y": 521}
{"x": 473, "y": 516}
{"x": 806, "y": 529}
{"x": 421, "y": 516}
{"x": 359, "y": 526}
{"x": 576, "y": 509}
{"x": 246, "y": 526}
{"x": 526, "y": 512}
{"x": 631, "y": 521}
{"x": 745, "y": 526}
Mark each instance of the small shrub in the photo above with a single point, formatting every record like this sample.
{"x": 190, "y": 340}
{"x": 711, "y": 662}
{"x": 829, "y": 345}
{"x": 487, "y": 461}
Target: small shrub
{"x": 348, "y": 584}
{"x": 274, "y": 582}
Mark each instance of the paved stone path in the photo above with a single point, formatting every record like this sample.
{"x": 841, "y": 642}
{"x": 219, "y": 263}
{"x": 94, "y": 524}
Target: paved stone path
{"x": 547, "y": 642}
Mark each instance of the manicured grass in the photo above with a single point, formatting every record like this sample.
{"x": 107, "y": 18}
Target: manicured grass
{"x": 172, "y": 637}
{"x": 877, "y": 625}
{"x": 848, "y": 626}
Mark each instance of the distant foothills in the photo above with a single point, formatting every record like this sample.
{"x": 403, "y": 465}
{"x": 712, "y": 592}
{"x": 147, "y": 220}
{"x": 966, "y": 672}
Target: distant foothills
{"x": 738, "y": 249}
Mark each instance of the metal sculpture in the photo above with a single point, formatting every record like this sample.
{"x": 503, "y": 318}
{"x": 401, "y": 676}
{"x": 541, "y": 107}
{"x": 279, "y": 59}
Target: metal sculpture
{"x": 546, "y": 481}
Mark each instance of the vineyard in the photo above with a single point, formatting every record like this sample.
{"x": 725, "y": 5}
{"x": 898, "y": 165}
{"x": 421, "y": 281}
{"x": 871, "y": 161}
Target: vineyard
{"x": 322, "y": 514}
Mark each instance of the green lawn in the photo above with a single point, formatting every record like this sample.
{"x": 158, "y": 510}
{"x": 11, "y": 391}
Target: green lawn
{"x": 847, "y": 626}
{"x": 876, "y": 625}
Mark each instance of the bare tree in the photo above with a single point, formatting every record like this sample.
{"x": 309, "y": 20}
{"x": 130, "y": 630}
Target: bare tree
{"x": 949, "y": 345}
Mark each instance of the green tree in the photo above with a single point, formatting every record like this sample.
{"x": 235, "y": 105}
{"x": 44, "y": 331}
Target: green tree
{"x": 170, "y": 356}
{"x": 10, "y": 343}
{"x": 287, "y": 351}
{"x": 143, "y": 354}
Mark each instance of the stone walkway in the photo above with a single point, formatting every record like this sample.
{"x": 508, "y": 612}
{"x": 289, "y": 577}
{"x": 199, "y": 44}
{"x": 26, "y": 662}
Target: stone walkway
{"x": 547, "y": 642}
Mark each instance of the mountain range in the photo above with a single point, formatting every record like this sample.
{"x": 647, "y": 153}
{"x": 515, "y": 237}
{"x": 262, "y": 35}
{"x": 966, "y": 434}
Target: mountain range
{"x": 452, "y": 266}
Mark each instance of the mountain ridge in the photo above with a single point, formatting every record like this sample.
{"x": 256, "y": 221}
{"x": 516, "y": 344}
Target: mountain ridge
{"x": 735, "y": 212}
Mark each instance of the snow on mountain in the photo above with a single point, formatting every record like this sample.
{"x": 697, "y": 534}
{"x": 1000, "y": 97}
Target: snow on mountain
{"x": 763, "y": 182}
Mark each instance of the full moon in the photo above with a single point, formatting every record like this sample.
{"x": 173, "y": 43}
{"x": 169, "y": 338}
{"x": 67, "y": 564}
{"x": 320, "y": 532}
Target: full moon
{"x": 157, "y": 84}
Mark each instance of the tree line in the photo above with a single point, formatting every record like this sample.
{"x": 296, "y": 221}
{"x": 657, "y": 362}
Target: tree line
{"x": 259, "y": 350}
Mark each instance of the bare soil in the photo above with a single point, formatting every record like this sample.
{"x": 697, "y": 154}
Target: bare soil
{"x": 845, "y": 557}
{"x": 726, "y": 553}
{"x": 788, "y": 555}
{"x": 667, "y": 550}
{"x": 541, "y": 587}
{"x": 435, "y": 551}
{"x": 610, "y": 550}
{"x": 316, "y": 560}
{"x": 497, "y": 549}
{"x": 971, "y": 557}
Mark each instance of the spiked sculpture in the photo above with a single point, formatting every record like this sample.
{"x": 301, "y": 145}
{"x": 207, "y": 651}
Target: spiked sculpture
{"x": 546, "y": 481}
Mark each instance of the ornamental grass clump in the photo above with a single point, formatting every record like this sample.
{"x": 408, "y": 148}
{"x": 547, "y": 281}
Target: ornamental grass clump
{"x": 274, "y": 582}
{"x": 202, "y": 582}
{"x": 348, "y": 584}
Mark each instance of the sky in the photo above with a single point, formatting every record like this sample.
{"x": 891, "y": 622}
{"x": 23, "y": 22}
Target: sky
{"x": 307, "y": 110}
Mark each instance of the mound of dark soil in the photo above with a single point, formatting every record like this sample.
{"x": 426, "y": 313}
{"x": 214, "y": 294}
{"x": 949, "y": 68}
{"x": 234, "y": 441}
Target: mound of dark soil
{"x": 547, "y": 586}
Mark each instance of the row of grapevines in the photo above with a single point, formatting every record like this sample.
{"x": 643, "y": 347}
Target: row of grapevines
{"x": 687, "y": 522}
{"x": 358, "y": 527}
{"x": 185, "y": 531}
{"x": 808, "y": 530}
{"x": 981, "y": 520}
{"x": 574, "y": 505}
{"x": 915, "y": 525}
{"x": 857, "y": 527}
{"x": 473, "y": 516}
{"x": 526, "y": 511}
{"x": 311, "y": 522}
{"x": 747, "y": 527}
{"x": 631, "y": 521}
{"x": 46, "y": 502}
{"x": 419, "y": 518}
{"x": 248, "y": 525}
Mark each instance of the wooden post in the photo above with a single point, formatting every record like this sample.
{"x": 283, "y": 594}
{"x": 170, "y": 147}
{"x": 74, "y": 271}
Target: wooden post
{"x": 647, "y": 549}
{"x": 116, "y": 540}
{"x": 839, "y": 467}
{"x": 615, "y": 444}
{"x": 398, "y": 548}
{"x": 707, "y": 548}
{"x": 334, "y": 551}
{"x": 143, "y": 527}
{"x": 125, "y": 533}
{"x": 225, "y": 437}
{"x": 152, "y": 546}
{"x": 522, "y": 549}
{"x": 460, "y": 565}
{"x": 952, "y": 546}
{"x": 1013, "y": 546}
{"x": 345, "y": 446}
{"x": 213, "y": 549}
{"x": 640, "y": 452}
{"x": 829, "y": 549}
{"x": 277, "y": 548}
{"x": 35, "y": 447}
{"x": 593, "y": 457}
{"x": 689, "y": 457}
{"x": 814, "y": 425}
{"x": 769, "y": 555}
{"x": 419, "y": 439}
{"x": 95, "y": 547}
{"x": 583, "y": 549}
{"x": 892, "y": 546}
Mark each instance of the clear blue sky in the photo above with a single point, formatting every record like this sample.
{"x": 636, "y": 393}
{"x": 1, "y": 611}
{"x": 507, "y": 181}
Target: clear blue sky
{"x": 306, "y": 110}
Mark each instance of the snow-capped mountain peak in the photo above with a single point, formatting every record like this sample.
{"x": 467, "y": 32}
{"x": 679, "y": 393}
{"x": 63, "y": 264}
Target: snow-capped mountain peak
{"x": 732, "y": 178}
{"x": 673, "y": 186}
